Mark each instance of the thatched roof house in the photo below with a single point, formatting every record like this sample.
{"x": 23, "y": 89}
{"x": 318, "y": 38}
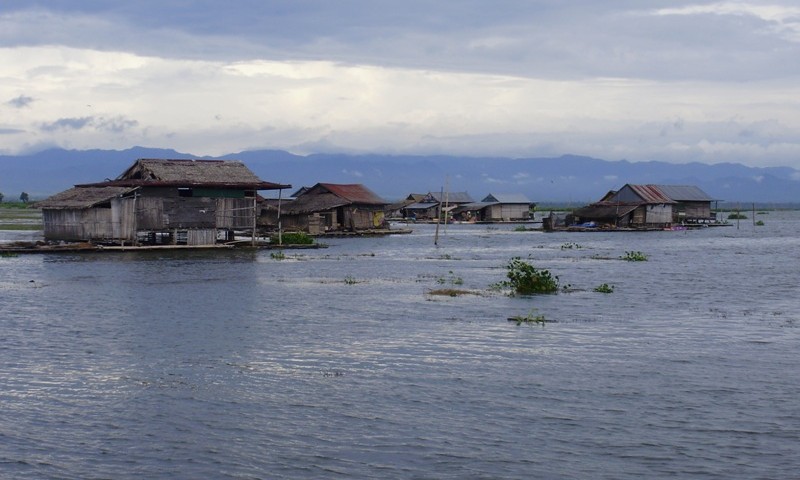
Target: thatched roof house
{"x": 192, "y": 202}
{"x": 328, "y": 207}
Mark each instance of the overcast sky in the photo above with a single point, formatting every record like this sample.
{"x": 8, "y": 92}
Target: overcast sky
{"x": 640, "y": 80}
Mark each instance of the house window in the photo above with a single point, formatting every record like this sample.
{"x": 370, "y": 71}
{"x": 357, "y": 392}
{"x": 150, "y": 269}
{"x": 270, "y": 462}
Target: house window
{"x": 185, "y": 192}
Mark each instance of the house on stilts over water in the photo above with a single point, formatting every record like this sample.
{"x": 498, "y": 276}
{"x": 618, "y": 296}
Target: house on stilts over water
{"x": 159, "y": 202}
{"x": 644, "y": 207}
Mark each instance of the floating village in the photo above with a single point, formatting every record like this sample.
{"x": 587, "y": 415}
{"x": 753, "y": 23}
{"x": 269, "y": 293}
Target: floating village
{"x": 161, "y": 203}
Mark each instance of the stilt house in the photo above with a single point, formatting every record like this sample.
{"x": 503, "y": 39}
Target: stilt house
{"x": 643, "y": 206}
{"x": 428, "y": 207}
{"x": 331, "y": 207}
{"x": 155, "y": 201}
{"x": 496, "y": 208}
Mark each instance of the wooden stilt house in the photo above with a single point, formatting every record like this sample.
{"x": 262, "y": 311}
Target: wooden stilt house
{"x": 332, "y": 207}
{"x": 155, "y": 201}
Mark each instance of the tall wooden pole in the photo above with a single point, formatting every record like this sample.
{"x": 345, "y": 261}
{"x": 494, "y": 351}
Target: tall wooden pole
{"x": 255, "y": 217}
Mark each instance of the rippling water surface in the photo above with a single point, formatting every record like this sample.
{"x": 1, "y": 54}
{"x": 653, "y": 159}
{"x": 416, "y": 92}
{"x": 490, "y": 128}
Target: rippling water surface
{"x": 338, "y": 362}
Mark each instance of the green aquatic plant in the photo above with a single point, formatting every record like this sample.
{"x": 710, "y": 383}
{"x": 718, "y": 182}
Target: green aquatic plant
{"x": 529, "y": 319}
{"x": 292, "y": 238}
{"x": 279, "y": 255}
{"x": 634, "y": 256}
{"x": 604, "y": 288}
{"x": 450, "y": 278}
{"x": 737, "y": 216}
{"x": 350, "y": 280}
{"x": 570, "y": 246}
{"x": 760, "y": 223}
{"x": 525, "y": 279}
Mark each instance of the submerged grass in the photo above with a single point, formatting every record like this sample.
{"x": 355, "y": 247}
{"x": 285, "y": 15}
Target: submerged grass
{"x": 529, "y": 319}
{"x": 451, "y": 292}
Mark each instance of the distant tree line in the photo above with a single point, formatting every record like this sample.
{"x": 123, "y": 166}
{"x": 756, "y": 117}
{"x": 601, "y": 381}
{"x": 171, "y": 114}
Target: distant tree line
{"x": 23, "y": 197}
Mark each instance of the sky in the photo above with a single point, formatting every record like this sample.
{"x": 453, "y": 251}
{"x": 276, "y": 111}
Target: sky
{"x": 676, "y": 81}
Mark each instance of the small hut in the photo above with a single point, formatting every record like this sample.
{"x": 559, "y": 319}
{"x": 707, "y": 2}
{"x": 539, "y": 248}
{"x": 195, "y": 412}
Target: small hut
{"x": 331, "y": 207}
{"x": 496, "y": 208}
{"x": 435, "y": 202}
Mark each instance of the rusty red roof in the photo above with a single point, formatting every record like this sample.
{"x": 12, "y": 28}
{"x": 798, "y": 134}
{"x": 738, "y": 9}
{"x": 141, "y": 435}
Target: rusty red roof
{"x": 650, "y": 194}
{"x": 353, "y": 193}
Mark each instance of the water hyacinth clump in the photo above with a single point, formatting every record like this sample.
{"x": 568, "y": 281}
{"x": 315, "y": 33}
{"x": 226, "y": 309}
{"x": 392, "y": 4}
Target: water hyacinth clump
{"x": 293, "y": 238}
{"x": 525, "y": 279}
{"x": 604, "y": 288}
{"x": 634, "y": 257}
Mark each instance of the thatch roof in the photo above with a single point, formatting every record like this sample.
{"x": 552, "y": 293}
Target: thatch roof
{"x": 327, "y": 196}
{"x": 354, "y": 193}
{"x": 82, "y": 197}
{"x": 604, "y": 210}
{"x": 190, "y": 173}
{"x": 313, "y": 203}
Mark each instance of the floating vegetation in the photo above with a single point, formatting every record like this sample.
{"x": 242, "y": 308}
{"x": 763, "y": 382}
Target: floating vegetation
{"x": 9, "y": 254}
{"x": 520, "y": 228}
{"x": 529, "y": 319}
{"x": 450, "y": 278}
{"x": 634, "y": 256}
{"x": 604, "y": 288}
{"x": 279, "y": 255}
{"x": 570, "y": 246}
{"x": 451, "y": 292}
{"x": 525, "y": 279}
{"x": 760, "y": 223}
{"x": 737, "y": 216}
{"x": 293, "y": 238}
{"x": 350, "y": 280}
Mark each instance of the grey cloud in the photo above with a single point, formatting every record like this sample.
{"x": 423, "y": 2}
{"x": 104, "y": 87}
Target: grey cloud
{"x": 67, "y": 124}
{"x": 10, "y": 131}
{"x": 616, "y": 38}
{"x": 20, "y": 102}
{"x": 117, "y": 124}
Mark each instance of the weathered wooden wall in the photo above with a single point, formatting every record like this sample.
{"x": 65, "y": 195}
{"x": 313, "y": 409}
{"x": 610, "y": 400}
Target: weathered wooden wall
{"x": 507, "y": 211}
{"x": 658, "y": 214}
{"x": 234, "y": 212}
{"x": 201, "y": 236}
{"x": 78, "y": 225}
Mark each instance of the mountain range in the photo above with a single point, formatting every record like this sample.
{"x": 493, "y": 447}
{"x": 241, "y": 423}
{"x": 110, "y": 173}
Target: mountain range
{"x": 566, "y": 179}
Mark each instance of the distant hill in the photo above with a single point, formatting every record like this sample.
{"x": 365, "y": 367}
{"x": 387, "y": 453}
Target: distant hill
{"x": 567, "y": 179}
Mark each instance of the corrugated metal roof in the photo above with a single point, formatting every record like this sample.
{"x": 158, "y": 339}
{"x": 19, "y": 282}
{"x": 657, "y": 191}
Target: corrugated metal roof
{"x": 451, "y": 197}
{"x": 650, "y": 193}
{"x": 665, "y": 193}
{"x": 474, "y": 206}
{"x": 684, "y": 193}
{"x": 421, "y": 206}
{"x": 603, "y": 211}
{"x": 82, "y": 197}
{"x": 353, "y": 193}
{"x": 506, "y": 198}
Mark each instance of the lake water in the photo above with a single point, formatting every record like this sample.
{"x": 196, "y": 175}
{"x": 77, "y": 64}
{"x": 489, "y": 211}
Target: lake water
{"x": 338, "y": 363}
